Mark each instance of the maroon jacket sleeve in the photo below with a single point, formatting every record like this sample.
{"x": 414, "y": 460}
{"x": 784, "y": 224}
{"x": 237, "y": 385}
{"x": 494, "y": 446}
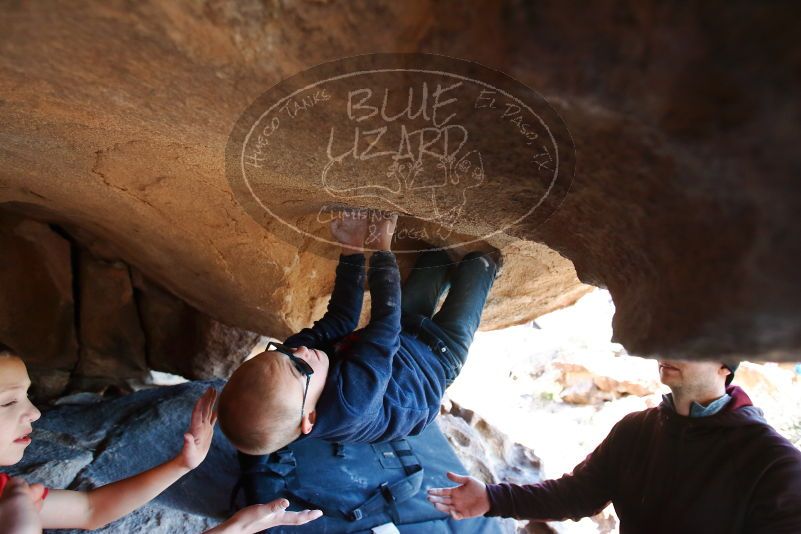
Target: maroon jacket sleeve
{"x": 584, "y": 492}
{"x": 776, "y": 503}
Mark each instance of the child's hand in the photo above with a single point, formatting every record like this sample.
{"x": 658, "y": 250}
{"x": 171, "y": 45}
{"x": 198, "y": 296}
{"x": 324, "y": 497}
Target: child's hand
{"x": 38, "y": 493}
{"x": 467, "y": 500}
{"x": 259, "y": 517}
{"x": 19, "y": 508}
{"x": 201, "y": 431}
{"x": 349, "y": 228}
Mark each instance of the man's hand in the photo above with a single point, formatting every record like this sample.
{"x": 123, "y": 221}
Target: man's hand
{"x": 259, "y": 517}
{"x": 469, "y": 499}
{"x": 19, "y": 508}
{"x": 201, "y": 431}
{"x": 381, "y": 229}
{"x": 349, "y": 228}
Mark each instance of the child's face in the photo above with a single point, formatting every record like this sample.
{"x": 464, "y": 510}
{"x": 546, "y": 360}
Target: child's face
{"x": 16, "y": 411}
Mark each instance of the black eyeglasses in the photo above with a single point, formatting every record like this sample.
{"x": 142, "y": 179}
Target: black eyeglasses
{"x": 301, "y": 365}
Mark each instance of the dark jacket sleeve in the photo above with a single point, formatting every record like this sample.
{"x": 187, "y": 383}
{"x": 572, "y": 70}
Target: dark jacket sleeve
{"x": 776, "y": 504}
{"x": 367, "y": 368}
{"x": 344, "y": 308}
{"x": 582, "y": 493}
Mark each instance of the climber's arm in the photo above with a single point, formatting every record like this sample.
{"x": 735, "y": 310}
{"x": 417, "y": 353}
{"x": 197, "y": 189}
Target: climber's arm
{"x": 345, "y": 307}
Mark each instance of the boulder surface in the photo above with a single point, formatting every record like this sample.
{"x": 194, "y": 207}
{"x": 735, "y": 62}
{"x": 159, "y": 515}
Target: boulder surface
{"x": 685, "y": 121}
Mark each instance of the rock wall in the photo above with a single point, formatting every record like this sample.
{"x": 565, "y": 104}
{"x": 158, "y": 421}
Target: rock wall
{"x": 684, "y": 117}
{"x": 112, "y": 343}
{"x": 37, "y": 306}
{"x": 83, "y": 322}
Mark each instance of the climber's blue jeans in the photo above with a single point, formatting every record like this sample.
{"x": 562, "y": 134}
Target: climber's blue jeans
{"x": 468, "y": 283}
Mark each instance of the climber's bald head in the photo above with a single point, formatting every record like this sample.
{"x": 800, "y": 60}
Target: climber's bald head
{"x": 259, "y": 408}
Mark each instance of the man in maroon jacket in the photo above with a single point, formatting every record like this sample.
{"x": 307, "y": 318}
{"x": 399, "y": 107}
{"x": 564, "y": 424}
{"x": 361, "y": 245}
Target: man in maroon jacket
{"x": 705, "y": 460}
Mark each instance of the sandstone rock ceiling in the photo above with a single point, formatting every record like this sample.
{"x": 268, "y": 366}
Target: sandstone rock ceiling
{"x": 685, "y": 202}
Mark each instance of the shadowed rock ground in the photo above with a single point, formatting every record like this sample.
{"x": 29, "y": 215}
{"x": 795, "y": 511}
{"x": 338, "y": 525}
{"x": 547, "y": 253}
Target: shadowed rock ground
{"x": 86, "y": 445}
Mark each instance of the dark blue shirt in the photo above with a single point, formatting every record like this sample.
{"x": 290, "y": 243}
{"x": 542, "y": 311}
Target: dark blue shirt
{"x": 383, "y": 383}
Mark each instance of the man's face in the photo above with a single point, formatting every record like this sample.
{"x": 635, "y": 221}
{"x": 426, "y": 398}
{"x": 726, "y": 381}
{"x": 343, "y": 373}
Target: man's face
{"x": 691, "y": 374}
{"x": 16, "y": 411}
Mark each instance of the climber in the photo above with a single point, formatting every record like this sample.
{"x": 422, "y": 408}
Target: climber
{"x": 379, "y": 383}
{"x": 705, "y": 460}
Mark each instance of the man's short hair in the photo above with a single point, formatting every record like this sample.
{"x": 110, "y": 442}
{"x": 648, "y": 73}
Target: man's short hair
{"x": 731, "y": 367}
{"x": 6, "y": 351}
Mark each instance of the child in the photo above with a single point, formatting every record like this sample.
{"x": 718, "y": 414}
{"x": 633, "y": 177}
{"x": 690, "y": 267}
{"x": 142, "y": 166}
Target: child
{"x": 380, "y": 383}
{"x": 95, "y": 508}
